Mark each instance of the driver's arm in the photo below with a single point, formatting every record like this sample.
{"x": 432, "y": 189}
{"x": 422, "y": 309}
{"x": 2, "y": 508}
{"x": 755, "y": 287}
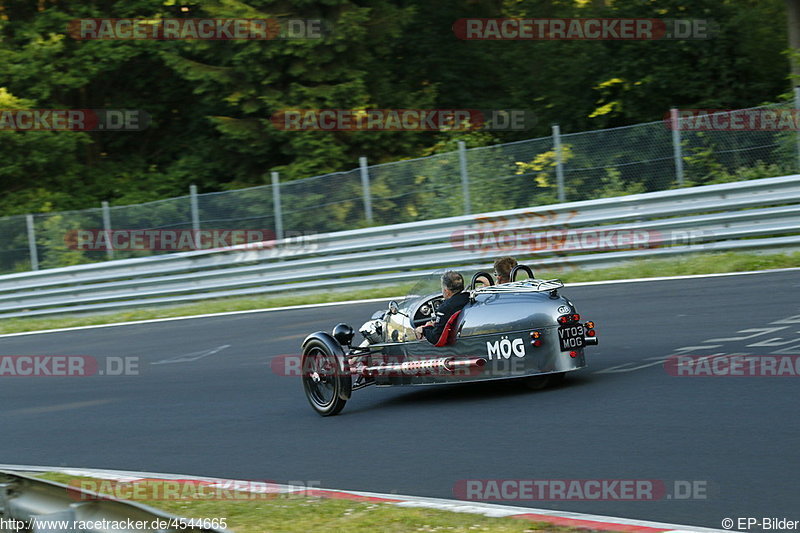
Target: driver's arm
{"x": 433, "y": 329}
{"x": 419, "y": 331}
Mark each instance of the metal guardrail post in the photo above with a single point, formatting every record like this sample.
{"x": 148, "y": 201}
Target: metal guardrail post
{"x": 195, "y": 210}
{"x": 276, "y": 205}
{"x": 559, "y": 162}
{"x": 797, "y": 135}
{"x": 32, "y": 243}
{"x": 362, "y": 162}
{"x": 462, "y": 161}
{"x": 107, "y": 228}
{"x": 759, "y": 214}
{"x": 34, "y": 504}
{"x": 676, "y": 145}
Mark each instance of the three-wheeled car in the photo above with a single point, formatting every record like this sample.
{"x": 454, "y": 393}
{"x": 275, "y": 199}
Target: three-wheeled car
{"x": 523, "y": 329}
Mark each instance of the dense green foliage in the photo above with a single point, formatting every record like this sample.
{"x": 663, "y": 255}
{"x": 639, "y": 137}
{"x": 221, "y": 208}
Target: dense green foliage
{"x": 211, "y": 101}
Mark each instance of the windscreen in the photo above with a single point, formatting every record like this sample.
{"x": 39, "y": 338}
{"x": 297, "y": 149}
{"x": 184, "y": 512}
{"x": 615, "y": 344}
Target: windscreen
{"x": 431, "y": 283}
{"x": 427, "y": 285}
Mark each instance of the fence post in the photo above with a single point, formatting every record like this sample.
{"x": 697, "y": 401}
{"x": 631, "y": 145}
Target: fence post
{"x": 362, "y": 162}
{"x": 107, "y": 228}
{"x": 32, "y": 243}
{"x": 797, "y": 136}
{"x": 195, "y": 210}
{"x": 559, "y": 163}
{"x": 676, "y": 144}
{"x": 462, "y": 161}
{"x": 276, "y": 205}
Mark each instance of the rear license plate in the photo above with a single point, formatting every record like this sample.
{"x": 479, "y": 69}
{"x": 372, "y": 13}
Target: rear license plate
{"x": 571, "y": 337}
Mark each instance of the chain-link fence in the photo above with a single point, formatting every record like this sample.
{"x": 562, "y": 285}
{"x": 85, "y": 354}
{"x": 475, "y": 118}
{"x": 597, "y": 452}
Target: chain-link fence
{"x": 563, "y": 167}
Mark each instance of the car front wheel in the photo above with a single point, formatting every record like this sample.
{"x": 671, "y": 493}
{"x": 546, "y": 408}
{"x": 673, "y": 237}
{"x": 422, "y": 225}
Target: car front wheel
{"x": 326, "y": 380}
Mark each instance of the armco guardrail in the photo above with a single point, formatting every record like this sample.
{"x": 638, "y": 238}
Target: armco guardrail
{"x": 45, "y": 506}
{"x": 477, "y": 179}
{"x": 757, "y": 214}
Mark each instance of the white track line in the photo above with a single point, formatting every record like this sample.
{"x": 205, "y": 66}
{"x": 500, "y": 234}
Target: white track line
{"x": 352, "y": 302}
{"x": 192, "y": 317}
{"x": 688, "y": 276}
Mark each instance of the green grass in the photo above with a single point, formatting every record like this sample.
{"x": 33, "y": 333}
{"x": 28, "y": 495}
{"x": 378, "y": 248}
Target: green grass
{"x": 694, "y": 264}
{"x": 219, "y": 305}
{"x": 691, "y": 264}
{"x": 283, "y": 513}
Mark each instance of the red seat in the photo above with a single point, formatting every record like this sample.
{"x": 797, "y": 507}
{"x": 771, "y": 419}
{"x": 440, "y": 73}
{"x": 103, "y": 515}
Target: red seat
{"x": 449, "y": 334}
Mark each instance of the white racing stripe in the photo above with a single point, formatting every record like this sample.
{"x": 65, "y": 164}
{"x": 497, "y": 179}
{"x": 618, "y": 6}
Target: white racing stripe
{"x": 352, "y": 302}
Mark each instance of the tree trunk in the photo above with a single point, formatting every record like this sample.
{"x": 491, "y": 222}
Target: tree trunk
{"x": 793, "y": 19}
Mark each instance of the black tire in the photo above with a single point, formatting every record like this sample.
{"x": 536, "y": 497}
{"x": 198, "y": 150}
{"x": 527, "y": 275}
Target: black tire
{"x": 326, "y": 379}
{"x": 544, "y": 381}
{"x": 536, "y": 382}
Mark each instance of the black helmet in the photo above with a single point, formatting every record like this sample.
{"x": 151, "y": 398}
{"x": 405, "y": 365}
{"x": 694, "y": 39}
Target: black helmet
{"x": 343, "y": 334}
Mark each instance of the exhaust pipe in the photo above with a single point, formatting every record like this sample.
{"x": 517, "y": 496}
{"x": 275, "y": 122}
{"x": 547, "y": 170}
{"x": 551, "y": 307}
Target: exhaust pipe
{"x": 473, "y": 362}
{"x": 446, "y": 365}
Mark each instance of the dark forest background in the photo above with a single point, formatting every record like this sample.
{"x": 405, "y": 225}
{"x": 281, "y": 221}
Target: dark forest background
{"x": 210, "y": 102}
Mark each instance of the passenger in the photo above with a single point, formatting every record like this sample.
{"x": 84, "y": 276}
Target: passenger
{"x": 454, "y": 300}
{"x": 502, "y": 269}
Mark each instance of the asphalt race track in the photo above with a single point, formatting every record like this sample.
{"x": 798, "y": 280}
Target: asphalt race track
{"x": 206, "y": 402}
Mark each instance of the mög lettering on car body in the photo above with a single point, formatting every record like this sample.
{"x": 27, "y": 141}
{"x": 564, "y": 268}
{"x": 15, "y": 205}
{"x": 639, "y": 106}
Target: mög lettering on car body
{"x": 504, "y": 348}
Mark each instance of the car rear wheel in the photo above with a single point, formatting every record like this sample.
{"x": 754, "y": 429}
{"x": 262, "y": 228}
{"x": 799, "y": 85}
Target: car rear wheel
{"x": 536, "y": 382}
{"x": 543, "y": 381}
{"x": 326, "y": 380}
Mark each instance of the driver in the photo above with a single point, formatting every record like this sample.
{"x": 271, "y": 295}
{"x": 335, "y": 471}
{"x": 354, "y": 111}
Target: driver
{"x": 455, "y": 300}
